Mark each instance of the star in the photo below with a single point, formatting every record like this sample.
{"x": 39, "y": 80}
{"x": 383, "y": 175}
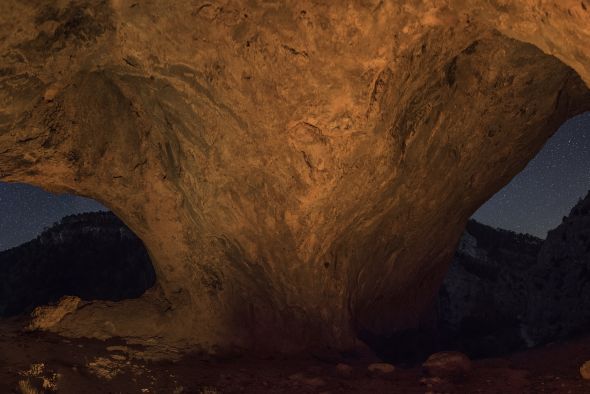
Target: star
{"x": 547, "y": 189}
{"x": 26, "y": 210}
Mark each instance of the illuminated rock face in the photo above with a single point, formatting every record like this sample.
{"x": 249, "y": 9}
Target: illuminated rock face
{"x": 300, "y": 173}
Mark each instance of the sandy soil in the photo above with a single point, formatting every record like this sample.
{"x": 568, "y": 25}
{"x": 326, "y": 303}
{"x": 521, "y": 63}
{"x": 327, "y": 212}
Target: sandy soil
{"x": 34, "y": 360}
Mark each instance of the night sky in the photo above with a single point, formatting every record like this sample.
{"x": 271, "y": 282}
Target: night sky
{"x": 534, "y": 202}
{"x": 26, "y": 210}
{"x": 547, "y": 189}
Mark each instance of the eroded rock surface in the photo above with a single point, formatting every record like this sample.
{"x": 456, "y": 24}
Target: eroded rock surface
{"x": 300, "y": 172}
{"x": 47, "y": 317}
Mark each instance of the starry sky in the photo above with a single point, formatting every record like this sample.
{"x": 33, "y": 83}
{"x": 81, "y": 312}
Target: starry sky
{"x": 534, "y": 201}
{"x": 26, "y": 210}
{"x": 547, "y": 189}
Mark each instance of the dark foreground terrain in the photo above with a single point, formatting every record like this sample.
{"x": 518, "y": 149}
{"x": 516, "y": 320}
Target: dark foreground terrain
{"x": 87, "y": 366}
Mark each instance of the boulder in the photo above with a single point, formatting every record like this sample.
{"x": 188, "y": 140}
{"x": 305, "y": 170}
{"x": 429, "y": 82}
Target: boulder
{"x": 381, "y": 368}
{"x": 447, "y": 365}
{"x": 585, "y": 370}
{"x": 46, "y": 317}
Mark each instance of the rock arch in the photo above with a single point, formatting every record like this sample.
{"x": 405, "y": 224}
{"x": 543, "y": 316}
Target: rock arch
{"x": 299, "y": 172}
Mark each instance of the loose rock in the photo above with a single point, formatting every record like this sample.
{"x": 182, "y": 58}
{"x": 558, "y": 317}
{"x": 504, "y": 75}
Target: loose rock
{"x": 447, "y": 365}
{"x": 381, "y": 368}
{"x": 585, "y": 370}
{"x": 46, "y": 317}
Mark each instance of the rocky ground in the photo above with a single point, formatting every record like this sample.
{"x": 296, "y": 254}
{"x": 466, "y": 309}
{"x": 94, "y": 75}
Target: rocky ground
{"x": 31, "y": 361}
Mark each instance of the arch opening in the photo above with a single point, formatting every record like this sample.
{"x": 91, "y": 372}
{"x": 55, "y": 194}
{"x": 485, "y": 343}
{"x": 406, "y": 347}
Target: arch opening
{"x": 520, "y": 276}
{"x": 53, "y": 246}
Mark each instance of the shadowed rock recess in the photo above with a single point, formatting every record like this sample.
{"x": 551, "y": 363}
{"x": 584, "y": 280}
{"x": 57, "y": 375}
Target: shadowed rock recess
{"x": 299, "y": 171}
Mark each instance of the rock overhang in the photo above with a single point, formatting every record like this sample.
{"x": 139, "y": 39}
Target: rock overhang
{"x": 293, "y": 167}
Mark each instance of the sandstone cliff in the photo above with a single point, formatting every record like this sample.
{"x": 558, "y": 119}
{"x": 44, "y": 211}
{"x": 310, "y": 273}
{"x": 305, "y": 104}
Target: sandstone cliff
{"x": 506, "y": 291}
{"x": 560, "y": 290}
{"x": 483, "y": 302}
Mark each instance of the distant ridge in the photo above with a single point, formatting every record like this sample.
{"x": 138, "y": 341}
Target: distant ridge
{"x": 90, "y": 255}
